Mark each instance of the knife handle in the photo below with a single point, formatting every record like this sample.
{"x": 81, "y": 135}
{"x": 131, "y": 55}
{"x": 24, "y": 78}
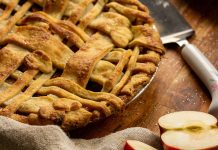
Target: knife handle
{"x": 206, "y": 72}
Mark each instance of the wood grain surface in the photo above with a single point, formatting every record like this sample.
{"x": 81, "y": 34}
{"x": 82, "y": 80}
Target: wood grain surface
{"x": 175, "y": 86}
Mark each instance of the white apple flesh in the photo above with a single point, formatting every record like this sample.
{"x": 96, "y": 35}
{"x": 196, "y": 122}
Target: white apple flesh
{"x": 189, "y": 130}
{"x": 185, "y": 119}
{"x": 199, "y": 140}
{"x": 137, "y": 145}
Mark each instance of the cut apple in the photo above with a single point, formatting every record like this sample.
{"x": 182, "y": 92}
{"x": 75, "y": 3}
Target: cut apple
{"x": 137, "y": 145}
{"x": 189, "y": 130}
{"x": 185, "y": 139}
{"x": 184, "y": 119}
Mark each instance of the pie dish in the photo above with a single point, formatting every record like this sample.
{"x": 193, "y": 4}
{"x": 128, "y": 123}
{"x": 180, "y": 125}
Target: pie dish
{"x": 73, "y": 62}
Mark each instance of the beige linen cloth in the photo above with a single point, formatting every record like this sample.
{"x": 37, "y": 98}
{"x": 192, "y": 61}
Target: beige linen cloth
{"x": 18, "y": 136}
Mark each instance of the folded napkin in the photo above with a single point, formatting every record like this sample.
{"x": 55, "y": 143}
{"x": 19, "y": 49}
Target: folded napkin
{"x": 19, "y": 136}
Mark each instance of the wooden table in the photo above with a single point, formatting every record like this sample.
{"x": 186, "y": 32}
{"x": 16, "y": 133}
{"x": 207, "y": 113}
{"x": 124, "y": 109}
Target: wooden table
{"x": 175, "y": 86}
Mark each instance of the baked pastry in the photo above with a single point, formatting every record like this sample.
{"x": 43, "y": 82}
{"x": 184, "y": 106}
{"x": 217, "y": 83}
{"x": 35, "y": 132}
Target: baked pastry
{"x": 73, "y": 62}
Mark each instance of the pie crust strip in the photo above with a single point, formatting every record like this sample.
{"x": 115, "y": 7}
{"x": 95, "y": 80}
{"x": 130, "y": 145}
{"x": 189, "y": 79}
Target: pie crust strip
{"x": 32, "y": 89}
{"x": 115, "y": 25}
{"x": 29, "y": 37}
{"x": 55, "y": 8}
{"x": 9, "y": 65}
{"x": 79, "y": 11}
{"x": 148, "y": 68}
{"x": 65, "y": 94}
{"x": 130, "y": 12}
{"x": 63, "y": 28}
{"x": 92, "y": 14}
{"x": 20, "y": 13}
{"x": 134, "y": 83}
{"x": 39, "y": 2}
{"x": 134, "y": 2}
{"x": 16, "y": 88}
{"x": 4, "y": 86}
{"x": 72, "y": 87}
{"x": 151, "y": 56}
{"x": 9, "y": 8}
{"x": 113, "y": 79}
{"x": 145, "y": 36}
{"x": 81, "y": 64}
{"x": 16, "y": 74}
{"x": 131, "y": 65}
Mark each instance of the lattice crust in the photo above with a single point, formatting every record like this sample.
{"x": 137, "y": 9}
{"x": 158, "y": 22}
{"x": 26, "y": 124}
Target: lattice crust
{"x": 73, "y": 62}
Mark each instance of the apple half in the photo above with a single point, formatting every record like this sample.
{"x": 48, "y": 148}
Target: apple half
{"x": 137, "y": 145}
{"x": 189, "y": 130}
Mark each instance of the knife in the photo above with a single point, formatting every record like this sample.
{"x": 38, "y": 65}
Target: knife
{"x": 174, "y": 28}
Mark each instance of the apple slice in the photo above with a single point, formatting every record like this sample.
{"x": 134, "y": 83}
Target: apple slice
{"x": 185, "y": 139}
{"x": 185, "y": 119}
{"x": 137, "y": 145}
{"x": 189, "y": 130}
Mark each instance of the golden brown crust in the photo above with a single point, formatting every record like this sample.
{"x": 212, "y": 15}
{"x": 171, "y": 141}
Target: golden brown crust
{"x": 148, "y": 68}
{"x": 117, "y": 73}
{"x": 66, "y": 104}
{"x": 39, "y": 60}
{"x": 75, "y": 119}
{"x": 13, "y": 20}
{"x": 102, "y": 72}
{"x": 63, "y": 28}
{"x": 74, "y": 62}
{"x": 34, "y": 104}
{"x": 16, "y": 88}
{"x": 80, "y": 66}
{"x": 133, "y": 83}
{"x": 151, "y": 56}
{"x": 92, "y": 14}
{"x": 55, "y": 8}
{"x": 134, "y": 2}
{"x": 115, "y": 25}
{"x": 9, "y": 8}
{"x": 72, "y": 87}
{"x": 145, "y": 36}
{"x": 8, "y": 65}
{"x": 34, "y": 119}
{"x": 131, "y": 65}
{"x": 130, "y": 12}
{"x": 115, "y": 55}
{"x": 78, "y": 11}
{"x": 32, "y": 89}
{"x": 29, "y": 37}
{"x": 20, "y": 118}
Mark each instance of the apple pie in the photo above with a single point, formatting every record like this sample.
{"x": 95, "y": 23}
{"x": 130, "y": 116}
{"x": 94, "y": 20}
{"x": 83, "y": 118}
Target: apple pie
{"x": 73, "y": 62}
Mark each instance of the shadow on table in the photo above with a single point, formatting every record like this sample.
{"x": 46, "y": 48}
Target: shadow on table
{"x": 206, "y": 8}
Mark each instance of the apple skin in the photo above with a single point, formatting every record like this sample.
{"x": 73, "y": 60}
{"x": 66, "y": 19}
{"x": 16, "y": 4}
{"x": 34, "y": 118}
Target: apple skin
{"x": 168, "y": 146}
{"x": 162, "y": 130}
{"x": 137, "y": 145}
{"x": 127, "y": 147}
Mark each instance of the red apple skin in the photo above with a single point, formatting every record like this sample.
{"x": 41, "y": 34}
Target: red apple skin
{"x": 162, "y": 130}
{"x": 127, "y": 146}
{"x": 141, "y": 145}
{"x": 167, "y": 147}
{"x": 213, "y": 148}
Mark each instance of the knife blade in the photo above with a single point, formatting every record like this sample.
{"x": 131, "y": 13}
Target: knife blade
{"x": 174, "y": 28}
{"x": 171, "y": 25}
